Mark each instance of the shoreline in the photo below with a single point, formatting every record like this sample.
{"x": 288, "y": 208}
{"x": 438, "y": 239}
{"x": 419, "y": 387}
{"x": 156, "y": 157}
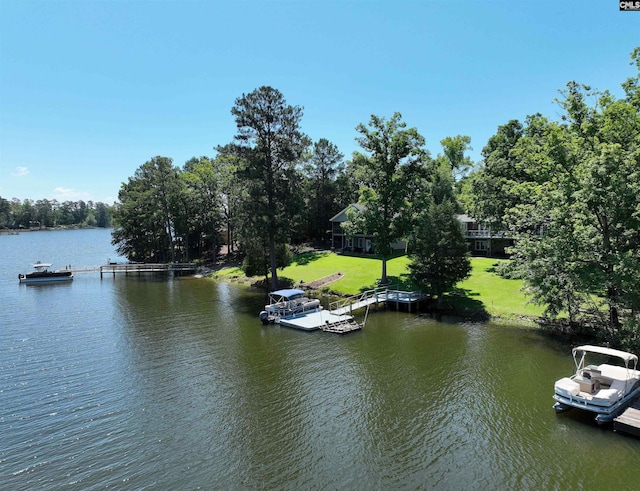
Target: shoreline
{"x": 318, "y": 287}
{"x": 555, "y": 328}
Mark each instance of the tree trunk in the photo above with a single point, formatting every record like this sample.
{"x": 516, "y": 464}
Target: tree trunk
{"x": 612, "y": 291}
{"x": 614, "y": 321}
{"x": 273, "y": 264}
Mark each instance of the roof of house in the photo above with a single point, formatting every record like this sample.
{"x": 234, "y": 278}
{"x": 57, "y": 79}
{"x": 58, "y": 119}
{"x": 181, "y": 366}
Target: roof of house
{"x": 465, "y": 218}
{"x": 342, "y": 216}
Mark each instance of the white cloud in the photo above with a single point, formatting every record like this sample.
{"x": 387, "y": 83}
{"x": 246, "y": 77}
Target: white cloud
{"x": 20, "y": 171}
{"x": 70, "y": 194}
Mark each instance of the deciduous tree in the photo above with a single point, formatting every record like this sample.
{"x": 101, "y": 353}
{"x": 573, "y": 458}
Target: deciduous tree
{"x": 573, "y": 205}
{"x": 201, "y": 207}
{"x": 389, "y": 147}
{"x": 146, "y": 216}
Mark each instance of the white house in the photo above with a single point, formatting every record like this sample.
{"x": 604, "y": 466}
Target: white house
{"x": 481, "y": 239}
{"x": 360, "y": 242}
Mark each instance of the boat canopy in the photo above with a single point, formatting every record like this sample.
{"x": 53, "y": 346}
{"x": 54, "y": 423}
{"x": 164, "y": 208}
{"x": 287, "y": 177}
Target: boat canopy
{"x": 287, "y": 293}
{"x": 627, "y": 357}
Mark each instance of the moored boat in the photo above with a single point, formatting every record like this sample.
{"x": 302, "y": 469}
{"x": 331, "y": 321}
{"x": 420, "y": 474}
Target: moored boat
{"x": 42, "y": 274}
{"x": 286, "y": 304}
{"x": 598, "y": 385}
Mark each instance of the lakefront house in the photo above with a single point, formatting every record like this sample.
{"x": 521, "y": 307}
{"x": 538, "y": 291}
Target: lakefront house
{"x": 360, "y": 242}
{"x": 482, "y": 241}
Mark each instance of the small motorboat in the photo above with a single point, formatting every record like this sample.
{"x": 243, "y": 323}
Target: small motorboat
{"x": 43, "y": 274}
{"x": 599, "y": 385}
{"x": 286, "y": 304}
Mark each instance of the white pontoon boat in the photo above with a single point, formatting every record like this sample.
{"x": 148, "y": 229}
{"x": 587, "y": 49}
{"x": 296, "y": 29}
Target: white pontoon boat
{"x": 286, "y": 304}
{"x": 604, "y": 389}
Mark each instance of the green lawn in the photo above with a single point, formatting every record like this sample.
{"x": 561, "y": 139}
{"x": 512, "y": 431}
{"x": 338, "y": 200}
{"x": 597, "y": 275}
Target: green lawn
{"x": 484, "y": 289}
{"x": 360, "y": 273}
{"x": 499, "y": 296}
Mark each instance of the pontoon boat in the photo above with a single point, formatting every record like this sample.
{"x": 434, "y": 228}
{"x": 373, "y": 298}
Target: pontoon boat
{"x": 598, "y": 385}
{"x": 286, "y": 304}
{"x": 43, "y": 275}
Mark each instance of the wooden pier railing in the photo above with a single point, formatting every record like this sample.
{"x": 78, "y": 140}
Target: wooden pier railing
{"x": 139, "y": 268}
{"x": 374, "y": 297}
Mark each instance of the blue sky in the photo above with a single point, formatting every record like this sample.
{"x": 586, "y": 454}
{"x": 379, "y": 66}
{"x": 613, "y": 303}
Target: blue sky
{"x": 91, "y": 90}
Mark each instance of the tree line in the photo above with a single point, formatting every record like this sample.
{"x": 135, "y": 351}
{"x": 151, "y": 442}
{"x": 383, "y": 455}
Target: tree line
{"x": 272, "y": 187}
{"x": 44, "y": 213}
{"x": 566, "y": 189}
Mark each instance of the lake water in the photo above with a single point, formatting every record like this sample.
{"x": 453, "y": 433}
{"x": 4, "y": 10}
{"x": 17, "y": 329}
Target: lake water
{"x": 155, "y": 383}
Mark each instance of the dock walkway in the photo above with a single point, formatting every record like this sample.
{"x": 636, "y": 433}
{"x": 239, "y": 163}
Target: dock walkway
{"x": 375, "y": 297}
{"x": 629, "y": 421}
{"x": 139, "y": 268}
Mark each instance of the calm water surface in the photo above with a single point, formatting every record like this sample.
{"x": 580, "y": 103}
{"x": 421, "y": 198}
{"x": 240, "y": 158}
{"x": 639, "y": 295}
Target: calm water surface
{"x": 154, "y": 383}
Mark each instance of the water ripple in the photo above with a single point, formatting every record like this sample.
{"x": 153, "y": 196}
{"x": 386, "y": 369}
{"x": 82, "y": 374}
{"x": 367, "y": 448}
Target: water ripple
{"x": 141, "y": 383}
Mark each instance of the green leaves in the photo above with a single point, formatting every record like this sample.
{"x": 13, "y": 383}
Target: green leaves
{"x": 146, "y": 217}
{"x": 439, "y": 252}
{"x": 270, "y": 144}
{"x": 384, "y": 185}
{"x": 579, "y": 182}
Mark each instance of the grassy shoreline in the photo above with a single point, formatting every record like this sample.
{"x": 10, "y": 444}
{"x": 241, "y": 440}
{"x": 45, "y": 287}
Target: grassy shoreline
{"x": 484, "y": 292}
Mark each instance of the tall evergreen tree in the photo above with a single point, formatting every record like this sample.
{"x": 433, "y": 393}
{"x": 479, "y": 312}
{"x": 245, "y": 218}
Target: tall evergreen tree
{"x": 227, "y": 164}
{"x": 323, "y": 166}
{"x": 270, "y": 143}
{"x": 439, "y": 252}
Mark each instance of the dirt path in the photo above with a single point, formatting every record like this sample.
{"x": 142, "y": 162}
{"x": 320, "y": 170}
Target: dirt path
{"x": 319, "y": 283}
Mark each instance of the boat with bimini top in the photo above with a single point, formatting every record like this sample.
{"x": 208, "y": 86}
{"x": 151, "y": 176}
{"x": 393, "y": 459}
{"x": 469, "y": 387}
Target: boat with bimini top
{"x": 286, "y": 304}
{"x": 605, "y": 382}
{"x": 42, "y": 274}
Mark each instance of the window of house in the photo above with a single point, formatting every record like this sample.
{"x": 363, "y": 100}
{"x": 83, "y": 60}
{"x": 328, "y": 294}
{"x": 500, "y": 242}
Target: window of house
{"x": 481, "y": 245}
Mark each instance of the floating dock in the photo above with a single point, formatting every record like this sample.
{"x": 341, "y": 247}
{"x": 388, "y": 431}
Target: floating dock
{"x": 339, "y": 317}
{"x": 629, "y": 420}
{"x": 324, "y": 320}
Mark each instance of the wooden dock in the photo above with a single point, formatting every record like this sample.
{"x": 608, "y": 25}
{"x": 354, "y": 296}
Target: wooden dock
{"x": 376, "y": 297}
{"x": 139, "y": 268}
{"x": 339, "y": 318}
{"x": 629, "y": 421}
